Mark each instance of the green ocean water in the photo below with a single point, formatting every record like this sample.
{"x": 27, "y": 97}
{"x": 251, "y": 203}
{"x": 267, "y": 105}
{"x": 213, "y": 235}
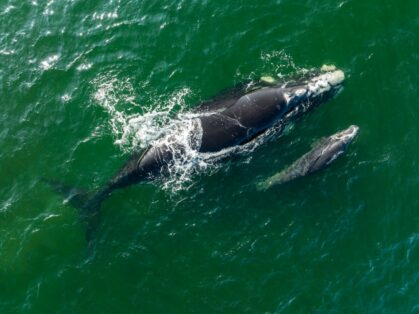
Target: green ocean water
{"x": 83, "y": 83}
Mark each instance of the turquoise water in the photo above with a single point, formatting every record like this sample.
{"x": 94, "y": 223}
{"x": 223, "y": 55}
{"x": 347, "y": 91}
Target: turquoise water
{"x": 85, "y": 82}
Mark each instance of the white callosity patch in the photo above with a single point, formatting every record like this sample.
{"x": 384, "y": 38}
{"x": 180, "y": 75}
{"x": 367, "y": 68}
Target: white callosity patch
{"x": 328, "y": 67}
{"x": 316, "y": 86}
{"x": 346, "y": 135}
{"x": 325, "y": 82}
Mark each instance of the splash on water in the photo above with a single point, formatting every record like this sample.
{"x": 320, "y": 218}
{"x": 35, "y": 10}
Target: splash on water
{"x": 148, "y": 122}
{"x": 183, "y": 138}
{"x": 49, "y": 62}
{"x": 279, "y": 62}
{"x": 160, "y": 122}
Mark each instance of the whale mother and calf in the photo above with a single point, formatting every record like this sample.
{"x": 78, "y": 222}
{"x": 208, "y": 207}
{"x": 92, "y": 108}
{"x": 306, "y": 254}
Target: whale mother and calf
{"x": 226, "y": 122}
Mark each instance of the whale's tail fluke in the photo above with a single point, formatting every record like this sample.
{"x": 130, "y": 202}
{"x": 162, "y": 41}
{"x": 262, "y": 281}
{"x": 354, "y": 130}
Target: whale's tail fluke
{"x": 87, "y": 203}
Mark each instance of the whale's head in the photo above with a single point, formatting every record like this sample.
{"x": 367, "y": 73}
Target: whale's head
{"x": 345, "y": 137}
{"x": 332, "y": 147}
{"x": 317, "y": 88}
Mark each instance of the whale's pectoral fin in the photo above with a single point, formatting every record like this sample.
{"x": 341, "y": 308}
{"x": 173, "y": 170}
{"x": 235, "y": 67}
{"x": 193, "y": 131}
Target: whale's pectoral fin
{"x": 87, "y": 204}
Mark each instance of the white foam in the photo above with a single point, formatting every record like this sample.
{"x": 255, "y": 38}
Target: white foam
{"x": 104, "y": 15}
{"x": 161, "y": 122}
{"x": 7, "y": 52}
{"x": 9, "y": 8}
{"x": 184, "y": 139}
{"x": 65, "y": 97}
{"x": 84, "y": 67}
{"x": 49, "y": 62}
{"x": 132, "y": 130}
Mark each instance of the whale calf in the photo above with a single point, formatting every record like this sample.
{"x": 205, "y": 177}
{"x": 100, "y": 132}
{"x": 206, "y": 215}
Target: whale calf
{"x": 323, "y": 154}
{"x": 226, "y": 122}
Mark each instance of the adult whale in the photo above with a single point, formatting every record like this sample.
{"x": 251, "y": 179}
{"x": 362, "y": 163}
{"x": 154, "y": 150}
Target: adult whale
{"x": 217, "y": 125}
{"x": 232, "y": 122}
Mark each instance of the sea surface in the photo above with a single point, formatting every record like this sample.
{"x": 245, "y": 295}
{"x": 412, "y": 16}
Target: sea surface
{"x": 83, "y": 84}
